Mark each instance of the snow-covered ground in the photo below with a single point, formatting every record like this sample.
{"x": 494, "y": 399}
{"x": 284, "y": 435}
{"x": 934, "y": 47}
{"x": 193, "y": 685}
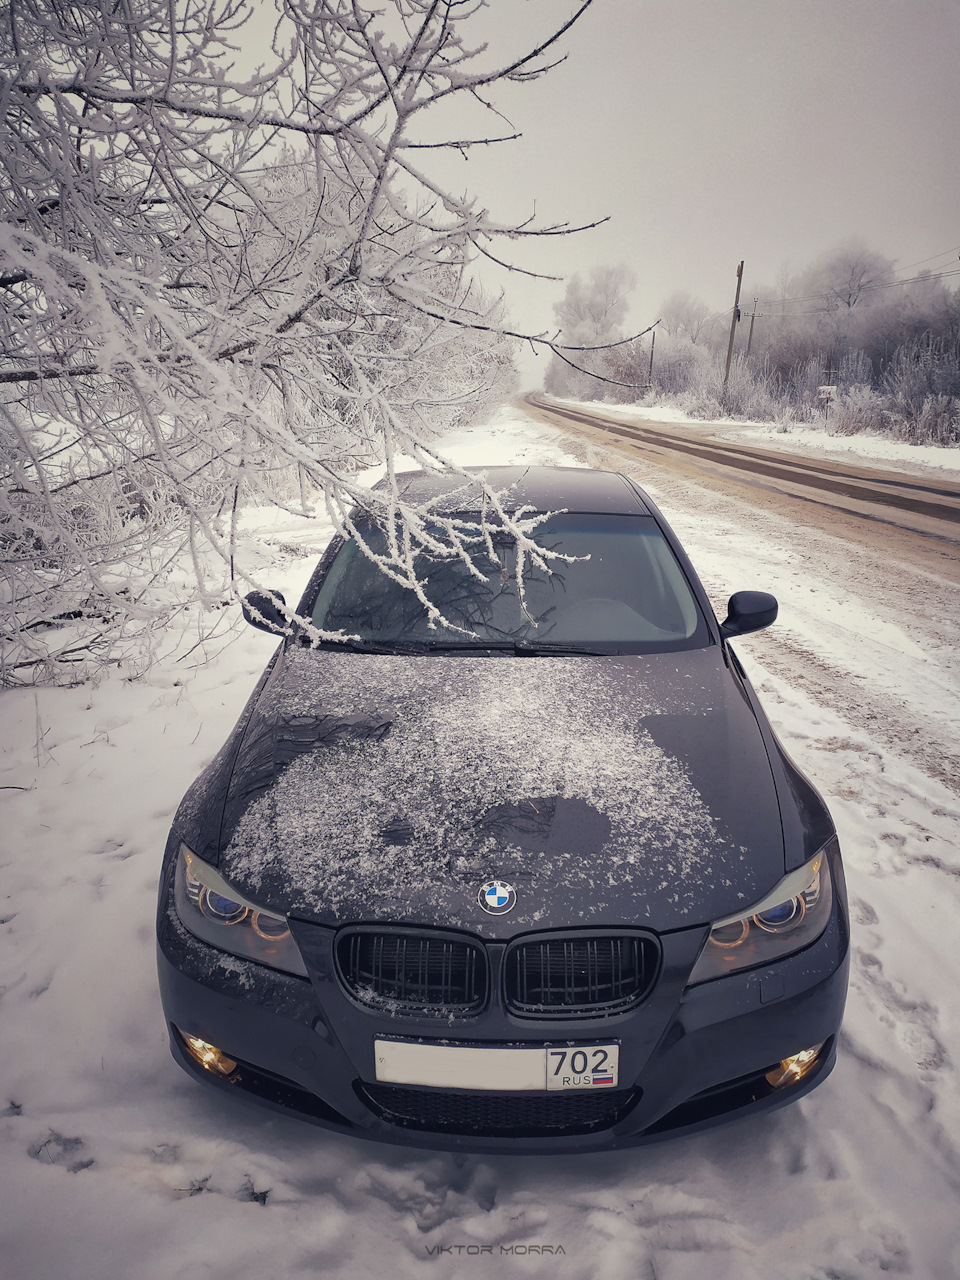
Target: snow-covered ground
{"x": 114, "y": 1164}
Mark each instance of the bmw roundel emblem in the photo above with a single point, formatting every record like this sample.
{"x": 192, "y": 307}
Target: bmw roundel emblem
{"x": 497, "y": 897}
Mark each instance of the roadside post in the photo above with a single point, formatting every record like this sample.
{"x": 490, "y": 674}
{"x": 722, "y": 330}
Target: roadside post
{"x": 825, "y": 395}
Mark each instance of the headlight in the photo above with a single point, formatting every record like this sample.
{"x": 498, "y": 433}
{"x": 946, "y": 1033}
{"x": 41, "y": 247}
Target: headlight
{"x": 788, "y": 919}
{"x": 215, "y": 912}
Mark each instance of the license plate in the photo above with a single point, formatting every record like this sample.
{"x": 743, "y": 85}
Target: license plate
{"x": 500, "y": 1067}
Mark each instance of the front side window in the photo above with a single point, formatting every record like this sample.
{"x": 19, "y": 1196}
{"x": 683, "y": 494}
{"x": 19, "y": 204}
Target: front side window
{"x": 625, "y": 591}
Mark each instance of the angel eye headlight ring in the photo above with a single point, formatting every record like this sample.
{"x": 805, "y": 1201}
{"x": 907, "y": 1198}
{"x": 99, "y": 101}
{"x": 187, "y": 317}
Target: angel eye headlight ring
{"x": 271, "y": 928}
{"x": 730, "y": 935}
{"x": 217, "y": 906}
{"x": 783, "y": 917}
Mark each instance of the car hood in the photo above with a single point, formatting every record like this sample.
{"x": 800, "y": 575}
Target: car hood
{"x": 605, "y": 790}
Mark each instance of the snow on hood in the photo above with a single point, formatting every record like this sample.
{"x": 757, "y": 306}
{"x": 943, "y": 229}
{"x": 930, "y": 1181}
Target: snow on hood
{"x": 393, "y": 787}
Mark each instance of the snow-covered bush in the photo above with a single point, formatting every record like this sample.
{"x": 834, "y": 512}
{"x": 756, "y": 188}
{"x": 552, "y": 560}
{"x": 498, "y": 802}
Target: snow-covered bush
{"x": 858, "y": 408}
{"x": 680, "y": 364}
{"x": 922, "y": 386}
{"x": 936, "y": 422}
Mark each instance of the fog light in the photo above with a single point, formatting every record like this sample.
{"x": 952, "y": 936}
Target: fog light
{"x": 795, "y": 1067}
{"x": 208, "y": 1055}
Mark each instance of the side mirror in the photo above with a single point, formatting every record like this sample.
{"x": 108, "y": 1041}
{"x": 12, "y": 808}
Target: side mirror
{"x": 748, "y": 611}
{"x": 260, "y": 608}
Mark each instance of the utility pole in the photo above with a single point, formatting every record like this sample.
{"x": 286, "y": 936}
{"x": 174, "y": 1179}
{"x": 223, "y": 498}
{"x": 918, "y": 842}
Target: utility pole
{"x": 733, "y": 329}
{"x": 753, "y": 316}
{"x": 653, "y": 343}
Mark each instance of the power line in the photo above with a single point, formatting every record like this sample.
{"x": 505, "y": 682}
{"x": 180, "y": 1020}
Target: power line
{"x": 909, "y": 267}
{"x": 867, "y": 288}
{"x": 932, "y": 258}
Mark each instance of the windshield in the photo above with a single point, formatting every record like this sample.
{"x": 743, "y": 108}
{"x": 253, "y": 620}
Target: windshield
{"x": 626, "y": 592}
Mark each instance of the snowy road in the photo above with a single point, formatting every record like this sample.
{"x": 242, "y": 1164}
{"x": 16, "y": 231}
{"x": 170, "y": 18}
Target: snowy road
{"x": 871, "y": 577}
{"x": 114, "y": 1163}
{"x": 908, "y": 502}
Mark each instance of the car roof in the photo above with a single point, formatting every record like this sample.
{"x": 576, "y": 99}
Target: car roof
{"x": 542, "y": 488}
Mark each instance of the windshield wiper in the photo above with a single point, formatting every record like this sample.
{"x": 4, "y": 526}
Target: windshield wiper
{"x": 375, "y": 646}
{"x": 525, "y": 649}
{"x": 519, "y": 648}
{"x": 469, "y": 646}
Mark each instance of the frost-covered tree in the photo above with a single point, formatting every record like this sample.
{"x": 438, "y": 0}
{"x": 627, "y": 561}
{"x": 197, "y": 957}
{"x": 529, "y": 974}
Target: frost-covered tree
{"x": 684, "y": 316}
{"x": 590, "y": 320}
{"x": 844, "y": 278}
{"x": 217, "y": 276}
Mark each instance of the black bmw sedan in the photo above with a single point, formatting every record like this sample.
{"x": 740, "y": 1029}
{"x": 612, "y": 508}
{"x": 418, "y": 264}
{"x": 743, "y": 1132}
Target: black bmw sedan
{"x": 541, "y": 879}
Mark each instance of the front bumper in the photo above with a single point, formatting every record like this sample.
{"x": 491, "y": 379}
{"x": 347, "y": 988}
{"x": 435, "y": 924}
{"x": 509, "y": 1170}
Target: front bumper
{"x": 690, "y": 1058}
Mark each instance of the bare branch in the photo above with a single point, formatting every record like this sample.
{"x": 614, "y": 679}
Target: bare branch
{"x": 48, "y": 374}
{"x": 460, "y": 144}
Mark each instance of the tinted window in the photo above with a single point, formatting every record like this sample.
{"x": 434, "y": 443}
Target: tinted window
{"x": 625, "y": 590}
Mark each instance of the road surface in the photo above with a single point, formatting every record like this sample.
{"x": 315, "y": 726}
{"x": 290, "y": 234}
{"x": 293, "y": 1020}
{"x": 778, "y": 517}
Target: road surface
{"x": 861, "y": 559}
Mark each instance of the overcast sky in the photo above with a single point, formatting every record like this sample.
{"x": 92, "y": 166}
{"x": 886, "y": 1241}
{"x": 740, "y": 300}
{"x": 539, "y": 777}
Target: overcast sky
{"x": 715, "y": 130}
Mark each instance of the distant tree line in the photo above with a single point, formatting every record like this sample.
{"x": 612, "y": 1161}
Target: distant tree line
{"x": 890, "y": 346}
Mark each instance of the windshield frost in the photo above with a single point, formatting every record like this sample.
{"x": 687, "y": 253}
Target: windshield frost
{"x": 625, "y": 589}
